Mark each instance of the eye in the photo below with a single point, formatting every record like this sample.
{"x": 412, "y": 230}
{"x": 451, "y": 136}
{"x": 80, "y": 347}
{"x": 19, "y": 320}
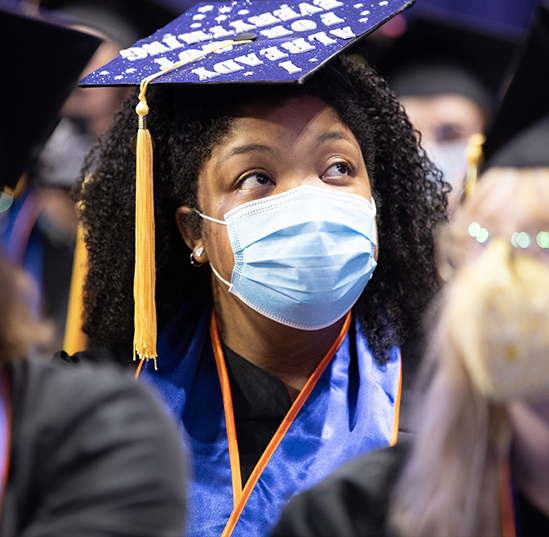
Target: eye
{"x": 254, "y": 180}
{"x": 339, "y": 169}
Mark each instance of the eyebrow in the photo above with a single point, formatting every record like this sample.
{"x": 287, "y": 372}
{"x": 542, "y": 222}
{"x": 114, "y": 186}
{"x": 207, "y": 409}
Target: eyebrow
{"x": 332, "y": 135}
{"x": 248, "y": 148}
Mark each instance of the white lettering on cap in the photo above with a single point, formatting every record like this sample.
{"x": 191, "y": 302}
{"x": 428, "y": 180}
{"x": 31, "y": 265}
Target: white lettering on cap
{"x": 218, "y": 32}
{"x": 323, "y": 38}
{"x": 290, "y": 67}
{"x": 343, "y": 33}
{"x": 133, "y": 53}
{"x": 204, "y": 74}
{"x": 194, "y": 37}
{"x": 171, "y": 41}
{"x": 307, "y": 9}
{"x": 155, "y": 48}
{"x": 241, "y": 27}
{"x": 329, "y": 19}
{"x": 265, "y": 19}
{"x": 227, "y": 67}
{"x": 285, "y": 14}
{"x": 273, "y": 54}
{"x": 303, "y": 25}
{"x": 327, "y": 5}
{"x": 277, "y": 31}
{"x": 250, "y": 59}
{"x": 164, "y": 63}
{"x": 297, "y": 46}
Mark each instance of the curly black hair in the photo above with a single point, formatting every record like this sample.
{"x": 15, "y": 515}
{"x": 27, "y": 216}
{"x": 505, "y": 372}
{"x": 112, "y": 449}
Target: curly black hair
{"x": 186, "y": 123}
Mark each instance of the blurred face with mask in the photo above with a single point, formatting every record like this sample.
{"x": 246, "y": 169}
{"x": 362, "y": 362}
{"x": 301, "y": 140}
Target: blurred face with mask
{"x": 447, "y": 75}
{"x": 447, "y": 105}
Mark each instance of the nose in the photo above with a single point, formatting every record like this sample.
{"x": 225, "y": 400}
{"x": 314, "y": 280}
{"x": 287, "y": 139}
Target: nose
{"x": 296, "y": 179}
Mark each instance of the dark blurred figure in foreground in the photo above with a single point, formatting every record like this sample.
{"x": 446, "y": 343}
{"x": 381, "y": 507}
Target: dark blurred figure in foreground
{"x": 83, "y": 451}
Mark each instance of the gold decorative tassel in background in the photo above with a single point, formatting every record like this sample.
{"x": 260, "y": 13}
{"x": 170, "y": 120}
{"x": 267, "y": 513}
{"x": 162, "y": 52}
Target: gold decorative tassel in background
{"x": 474, "y": 160}
{"x": 145, "y": 274}
{"x": 75, "y": 339}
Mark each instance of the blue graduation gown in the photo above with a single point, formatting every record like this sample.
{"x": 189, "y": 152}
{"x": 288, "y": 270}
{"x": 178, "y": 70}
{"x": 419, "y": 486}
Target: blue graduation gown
{"x": 349, "y": 412}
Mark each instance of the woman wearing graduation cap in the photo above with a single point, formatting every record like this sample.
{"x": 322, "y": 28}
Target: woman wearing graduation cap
{"x": 479, "y": 464}
{"x": 274, "y": 202}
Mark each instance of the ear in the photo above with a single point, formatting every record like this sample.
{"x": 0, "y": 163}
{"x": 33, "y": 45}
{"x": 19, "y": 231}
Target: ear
{"x": 191, "y": 235}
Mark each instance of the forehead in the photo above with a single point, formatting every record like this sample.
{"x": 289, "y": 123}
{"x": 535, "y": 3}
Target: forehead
{"x": 276, "y": 120}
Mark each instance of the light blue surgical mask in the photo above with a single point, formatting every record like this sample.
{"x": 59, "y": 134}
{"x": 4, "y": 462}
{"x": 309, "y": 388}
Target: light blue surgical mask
{"x": 302, "y": 258}
{"x": 451, "y": 159}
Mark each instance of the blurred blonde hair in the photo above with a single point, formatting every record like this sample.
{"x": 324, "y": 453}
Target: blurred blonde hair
{"x": 450, "y": 484}
{"x": 19, "y": 330}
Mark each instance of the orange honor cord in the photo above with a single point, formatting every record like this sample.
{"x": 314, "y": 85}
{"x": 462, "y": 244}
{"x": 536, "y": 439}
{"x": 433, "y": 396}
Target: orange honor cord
{"x": 506, "y": 499}
{"x": 229, "y": 410}
{"x": 138, "y": 370}
{"x": 278, "y": 436}
{"x": 396, "y": 417}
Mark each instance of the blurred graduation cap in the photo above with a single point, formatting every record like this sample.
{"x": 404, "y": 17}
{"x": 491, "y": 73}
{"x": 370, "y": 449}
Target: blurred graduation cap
{"x": 241, "y": 42}
{"x": 519, "y": 134}
{"x": 436, "y": 56}
{"x": 122, "y": 21}
{"x": 44, "y": 63}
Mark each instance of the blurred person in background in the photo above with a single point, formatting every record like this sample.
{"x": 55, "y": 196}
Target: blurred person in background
{"x": 479, "y": 463}
{"x": 39, "y": 230}
{"x": 448, "y": 76}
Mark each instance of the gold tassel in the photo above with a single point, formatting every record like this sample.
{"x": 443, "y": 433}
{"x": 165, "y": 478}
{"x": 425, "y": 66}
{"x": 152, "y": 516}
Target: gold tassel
{"x": 145, "y": 274}
{"x": 144, "y": 282}
{"x": 75, "y": 340}
{"x": 474, "y": 160}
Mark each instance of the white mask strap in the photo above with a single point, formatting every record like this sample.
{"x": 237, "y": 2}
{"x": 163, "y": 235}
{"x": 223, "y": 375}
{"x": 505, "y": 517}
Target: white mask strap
{"x": 210, "y": 218}
{"x": 219, "y": 276}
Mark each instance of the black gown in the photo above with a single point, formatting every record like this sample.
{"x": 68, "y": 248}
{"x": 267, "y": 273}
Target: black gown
{"x": 92, "y": 454}
{"x": 354, "y": 502}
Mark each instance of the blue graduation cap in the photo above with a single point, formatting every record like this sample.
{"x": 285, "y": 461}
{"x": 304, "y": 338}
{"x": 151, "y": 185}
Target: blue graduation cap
{"x": 281, "y": 42}
{"x": 267, "y": 42}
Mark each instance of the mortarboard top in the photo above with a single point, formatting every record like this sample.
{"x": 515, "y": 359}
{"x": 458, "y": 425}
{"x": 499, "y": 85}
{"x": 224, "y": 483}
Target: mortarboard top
{"x": 292, "y": 40}
{"x": 519, "y": 134}
{"x": 437, "y": 56}
{"x": 44, "y": 63}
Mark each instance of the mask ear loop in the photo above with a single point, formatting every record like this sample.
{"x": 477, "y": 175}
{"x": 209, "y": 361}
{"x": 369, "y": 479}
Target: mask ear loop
{"x": 228, "y": 284}
{"x": 210, "y": 218}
